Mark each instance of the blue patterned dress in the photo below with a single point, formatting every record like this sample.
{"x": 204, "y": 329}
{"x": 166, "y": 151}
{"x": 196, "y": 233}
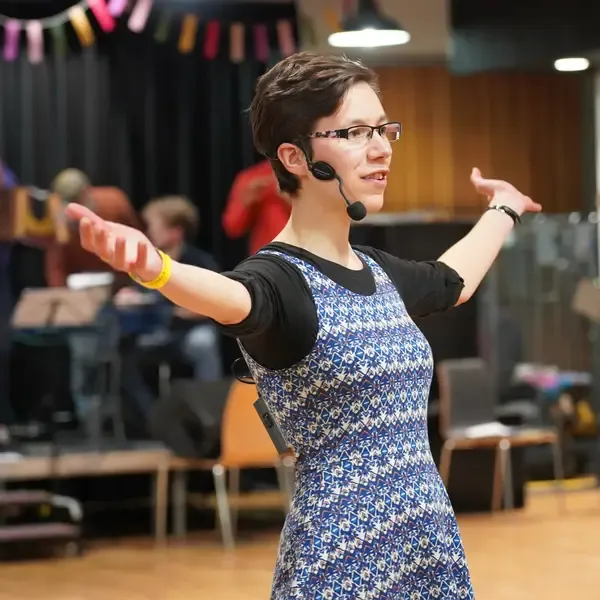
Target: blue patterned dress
{"x": 370, "y": 518}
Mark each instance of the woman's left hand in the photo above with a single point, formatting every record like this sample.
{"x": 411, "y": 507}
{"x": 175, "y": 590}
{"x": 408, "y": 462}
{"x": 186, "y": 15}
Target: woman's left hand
{"x": 502, "y": 192}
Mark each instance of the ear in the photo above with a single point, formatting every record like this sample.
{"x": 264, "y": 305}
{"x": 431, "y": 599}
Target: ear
{"x": 293, "y": 159}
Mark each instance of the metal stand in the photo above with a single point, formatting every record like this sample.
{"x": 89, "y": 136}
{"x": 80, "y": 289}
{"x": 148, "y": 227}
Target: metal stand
{"x": 58, "y": 313}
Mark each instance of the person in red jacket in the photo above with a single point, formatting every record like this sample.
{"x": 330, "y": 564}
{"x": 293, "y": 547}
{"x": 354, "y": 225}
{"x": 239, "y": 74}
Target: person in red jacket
{"x": 255, "y": 205}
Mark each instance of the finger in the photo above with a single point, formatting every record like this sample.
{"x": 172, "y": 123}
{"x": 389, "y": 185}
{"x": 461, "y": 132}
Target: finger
{"x": 534, "y": 207}
{"x": 486, "y": 186}
{"x": 120, "y": 259}
{"x": 142, "y": 256}
{"x": 77, "y": 212}
{"x": 104, "y": 246}
{"x": 86, "y": 236}
{"x": 133, "y": 253}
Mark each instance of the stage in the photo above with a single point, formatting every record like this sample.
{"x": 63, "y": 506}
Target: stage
{"x": 531, "y": 554}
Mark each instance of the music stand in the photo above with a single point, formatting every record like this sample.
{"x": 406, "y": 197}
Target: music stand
{"x": 60, "y": 311}
{"x": 58, "y": 308}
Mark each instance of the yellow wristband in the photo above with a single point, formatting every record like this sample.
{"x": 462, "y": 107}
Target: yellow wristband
{"x": 164, "y": 276}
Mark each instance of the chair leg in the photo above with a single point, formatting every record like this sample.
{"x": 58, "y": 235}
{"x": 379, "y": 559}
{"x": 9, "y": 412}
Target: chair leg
{"x": 498, "y": 481}
{"x": 161, "y": 502}
{"x": 234, "y": 492}
{"x": 220, "y": 479}
{"x": 117, "y": 405}
{"x": 508, "y": 476}
{"x": 559, "y": 474}
{"x": 446, "y": 461}
{"x": 179, "y": 496}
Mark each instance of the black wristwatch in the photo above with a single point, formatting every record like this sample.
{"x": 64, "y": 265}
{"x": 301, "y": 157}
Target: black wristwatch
{"x": 507, "y": 210}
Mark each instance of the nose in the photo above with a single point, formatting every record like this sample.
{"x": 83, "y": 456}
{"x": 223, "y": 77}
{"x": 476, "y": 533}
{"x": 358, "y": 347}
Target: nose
{"x": 379, "y": 146}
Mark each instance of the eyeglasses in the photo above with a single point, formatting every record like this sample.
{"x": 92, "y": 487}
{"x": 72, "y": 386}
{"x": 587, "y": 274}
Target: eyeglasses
{"x": 363, "y": 133}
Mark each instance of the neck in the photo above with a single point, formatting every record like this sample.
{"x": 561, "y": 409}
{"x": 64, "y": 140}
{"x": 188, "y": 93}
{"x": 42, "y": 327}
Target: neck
{"x": 324, "y": 233}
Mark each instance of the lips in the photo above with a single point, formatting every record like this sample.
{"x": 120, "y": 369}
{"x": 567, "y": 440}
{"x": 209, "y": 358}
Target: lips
{"x": 377, "y": 175}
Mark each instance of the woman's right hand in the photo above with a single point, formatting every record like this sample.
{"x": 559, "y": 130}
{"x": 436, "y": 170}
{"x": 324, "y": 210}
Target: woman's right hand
{"x": 123, "y": 248}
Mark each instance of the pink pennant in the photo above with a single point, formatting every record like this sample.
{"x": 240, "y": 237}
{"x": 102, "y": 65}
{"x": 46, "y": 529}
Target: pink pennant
{"x": 35, "y": 42}
{"x": 139, "y": 15}
{"x": 12, "y": 30}
{"x": 261, "y": 42}
{"x": 102, "y": 14}
{"x": 117, "y": 7}
{"x": 211, "y": 40}
{"x": 236, "y": 42}
{"x": 285, "y": 37}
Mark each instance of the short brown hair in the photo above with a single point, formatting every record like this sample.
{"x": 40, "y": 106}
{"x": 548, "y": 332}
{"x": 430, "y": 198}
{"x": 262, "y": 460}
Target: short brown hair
{"x": 175, "y": 211}
{"x": 293, "y": 95}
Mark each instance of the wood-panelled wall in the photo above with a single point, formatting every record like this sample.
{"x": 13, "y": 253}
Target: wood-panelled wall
{"x": 526, "y": 129}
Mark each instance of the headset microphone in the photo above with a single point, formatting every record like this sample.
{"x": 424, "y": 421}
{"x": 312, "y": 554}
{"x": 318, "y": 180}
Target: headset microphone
{"x": 325, "y": 172}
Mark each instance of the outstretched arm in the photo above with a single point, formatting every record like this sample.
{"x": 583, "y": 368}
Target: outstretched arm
{"x": 472, "y": 257}
{"x": 205, "y": 292}
{"x": 126, "y": 249}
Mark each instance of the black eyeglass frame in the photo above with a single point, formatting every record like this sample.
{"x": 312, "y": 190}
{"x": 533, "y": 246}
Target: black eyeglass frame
{"x": 343, "y": 133}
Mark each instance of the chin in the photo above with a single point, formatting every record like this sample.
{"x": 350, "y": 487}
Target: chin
{"x": 373, "y": 203}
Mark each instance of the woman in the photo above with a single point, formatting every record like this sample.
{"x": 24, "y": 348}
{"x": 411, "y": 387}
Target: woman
{"x": 326, "y": 330}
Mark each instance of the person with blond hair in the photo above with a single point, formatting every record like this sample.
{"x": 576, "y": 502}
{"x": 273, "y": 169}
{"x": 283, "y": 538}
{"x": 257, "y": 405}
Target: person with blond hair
{"x": 172, "y": 224}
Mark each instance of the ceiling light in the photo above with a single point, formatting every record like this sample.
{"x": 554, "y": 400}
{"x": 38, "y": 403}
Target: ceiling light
{"x": 368, "y": 28}
{"x": 571, "y": 64}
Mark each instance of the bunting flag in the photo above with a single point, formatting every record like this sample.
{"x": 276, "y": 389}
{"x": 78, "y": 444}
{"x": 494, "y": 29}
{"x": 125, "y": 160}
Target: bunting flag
{"x": 102, "y": 14}
{"x": 333, "y": 20}
{"x": 35, "y": 42}
{"x": 82, "y": 26}
{"x": 12, "y": 33}
{"x": 285, "y": 36}
{"x": 59, "y": 40}
{"x": 261, "y": 42}
{"x": 211, "y": 41}
{"x": 237, "y": 48}
{"x": 139, "y": 15}
{"x": 117, "y": 7}
{"x": 87, "y": 16}
{"x": 163, "y": 29}
{"x": 308, "y": 33}
{"x": 189, "y": 32}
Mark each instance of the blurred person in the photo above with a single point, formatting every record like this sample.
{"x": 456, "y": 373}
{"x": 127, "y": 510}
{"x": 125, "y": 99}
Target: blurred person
{"x": 73, "y": 186}
{"x": 328, "y": 334}
{"x": 256, "y": 206}
{"x": 172, "y": 224}
{"x": 62, "y": 260}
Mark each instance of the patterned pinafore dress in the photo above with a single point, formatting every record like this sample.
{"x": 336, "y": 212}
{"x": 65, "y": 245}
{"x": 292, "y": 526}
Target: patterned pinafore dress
{"x": 370, "y": 518}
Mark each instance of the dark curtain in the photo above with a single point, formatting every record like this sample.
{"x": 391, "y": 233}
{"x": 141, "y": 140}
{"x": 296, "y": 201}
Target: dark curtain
{"x": 138, "y": 114}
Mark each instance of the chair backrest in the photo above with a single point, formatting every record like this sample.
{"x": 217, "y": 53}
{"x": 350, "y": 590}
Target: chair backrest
{"x": 244, "y": 439}
{"x": 466, "y": 393}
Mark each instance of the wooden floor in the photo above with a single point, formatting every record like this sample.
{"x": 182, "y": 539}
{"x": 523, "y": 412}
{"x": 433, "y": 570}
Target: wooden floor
{"x": 530, "y": 555}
